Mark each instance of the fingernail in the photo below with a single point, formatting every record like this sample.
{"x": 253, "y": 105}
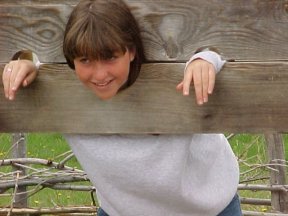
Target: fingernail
{"x": 186, "y": 93}
{"x": 200, "y": 102}
{"x": 25, "y": 83}
{"x": 205, "y": 100}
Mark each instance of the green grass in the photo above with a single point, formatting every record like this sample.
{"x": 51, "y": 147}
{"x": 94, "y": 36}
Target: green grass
{"x": 252, "y": 150}
{"x": 46, "y": 146}
{"x": 248, "y": 148}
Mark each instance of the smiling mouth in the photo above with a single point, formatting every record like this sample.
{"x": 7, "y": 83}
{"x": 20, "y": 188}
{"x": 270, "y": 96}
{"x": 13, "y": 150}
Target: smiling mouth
{"x": 102, "y": 84}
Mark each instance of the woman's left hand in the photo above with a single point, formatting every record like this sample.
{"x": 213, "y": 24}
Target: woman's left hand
{"x": 202, "y": 74}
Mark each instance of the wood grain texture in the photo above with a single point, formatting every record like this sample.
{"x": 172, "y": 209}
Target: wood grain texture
{"x": 249, "y": 97}
{"x": 254, "y": 30}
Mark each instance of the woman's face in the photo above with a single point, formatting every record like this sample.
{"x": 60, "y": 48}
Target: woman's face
{"x": 104, "y": 77}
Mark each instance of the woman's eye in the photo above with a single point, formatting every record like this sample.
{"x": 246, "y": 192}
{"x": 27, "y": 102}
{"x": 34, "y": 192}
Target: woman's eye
{"x": 110, "y": 58}
{"x": 114, "y": 56}
{"x": 84, "y": 60}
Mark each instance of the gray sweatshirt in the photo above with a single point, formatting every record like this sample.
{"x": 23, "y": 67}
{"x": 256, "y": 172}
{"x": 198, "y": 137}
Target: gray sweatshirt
{"x": 160, "y": 175}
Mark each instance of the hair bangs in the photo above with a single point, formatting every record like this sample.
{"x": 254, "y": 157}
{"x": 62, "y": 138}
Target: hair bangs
{"x": 97, "y": 42}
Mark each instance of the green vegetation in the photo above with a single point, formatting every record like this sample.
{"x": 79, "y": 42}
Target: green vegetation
{"x": 252, "y": 155}
{"x": 46, "y": 146}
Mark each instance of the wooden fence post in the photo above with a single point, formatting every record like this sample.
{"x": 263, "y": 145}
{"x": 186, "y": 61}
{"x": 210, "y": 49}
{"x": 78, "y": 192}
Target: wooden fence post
{"x": 19, "y": 151}
{"x": 276, "y": 155}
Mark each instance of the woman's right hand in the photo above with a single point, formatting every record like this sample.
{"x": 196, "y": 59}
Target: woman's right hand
{"x": 17, "y": 73}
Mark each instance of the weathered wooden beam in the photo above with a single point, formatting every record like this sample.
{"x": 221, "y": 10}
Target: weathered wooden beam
{"x": 252, "y": 30}
{"x": 249, "y": 97}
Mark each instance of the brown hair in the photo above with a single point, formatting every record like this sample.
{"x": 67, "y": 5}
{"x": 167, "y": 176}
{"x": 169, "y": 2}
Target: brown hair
{"x": 96, "y": 29}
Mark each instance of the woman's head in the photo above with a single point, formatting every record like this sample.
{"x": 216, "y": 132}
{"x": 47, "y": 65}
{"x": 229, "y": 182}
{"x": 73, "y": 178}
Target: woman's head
{"x": 103, "y": 33}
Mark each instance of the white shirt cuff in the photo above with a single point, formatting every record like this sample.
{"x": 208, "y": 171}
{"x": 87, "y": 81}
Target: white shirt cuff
{"x": 210, "y": 56}
{"x": 36, "y": 61}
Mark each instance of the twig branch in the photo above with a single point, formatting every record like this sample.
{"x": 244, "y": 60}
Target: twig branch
{"x": 49, "y": 163}
{"x": 255, "y": 201}
{"x": 55, "y": 210}
{"x": 252, "y": 213}
{"x": 253, "y": 187}
{"x": 43, "y": 182}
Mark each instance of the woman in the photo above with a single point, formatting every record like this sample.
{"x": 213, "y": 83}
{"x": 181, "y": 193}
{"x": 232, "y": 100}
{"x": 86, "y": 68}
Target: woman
{"x": 146, "y": 175}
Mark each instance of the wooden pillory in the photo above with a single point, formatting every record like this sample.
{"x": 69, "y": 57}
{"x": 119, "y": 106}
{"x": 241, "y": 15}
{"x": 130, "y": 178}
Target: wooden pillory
{"x": 251, "y": 94}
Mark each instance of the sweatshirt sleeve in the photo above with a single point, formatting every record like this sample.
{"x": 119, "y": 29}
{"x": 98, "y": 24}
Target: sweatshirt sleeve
{"x": 36, "y": 61}
{"x": 210, "y": 56}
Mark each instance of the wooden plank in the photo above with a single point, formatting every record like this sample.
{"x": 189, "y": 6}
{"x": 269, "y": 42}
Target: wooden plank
{"x": 171, "y": 30}
{"x": 249, "y": 97}
{"x": 37, "y": 28}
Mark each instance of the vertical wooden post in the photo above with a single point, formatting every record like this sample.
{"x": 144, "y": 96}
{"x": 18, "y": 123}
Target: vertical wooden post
{"x": 276, "y": 154}
{"x": 19, "y": 151}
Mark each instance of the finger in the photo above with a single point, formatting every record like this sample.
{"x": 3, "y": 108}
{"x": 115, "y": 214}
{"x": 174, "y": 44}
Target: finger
{"x": 212, "y": 77}
{"x": 6, "y": 79}
{"x": 179, "y": 87}
{"x": 197, "y": 78}
{"x": 29, "y": 79}
{"x": 20, "y": 77}
{"x": 188, "y": 77}
{"x": 15, "y": 71}
{"x": 205, "y": 83}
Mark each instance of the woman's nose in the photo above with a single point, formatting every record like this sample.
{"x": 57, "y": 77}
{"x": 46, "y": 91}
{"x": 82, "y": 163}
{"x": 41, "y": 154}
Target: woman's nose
{"x": 100, "y": 71}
